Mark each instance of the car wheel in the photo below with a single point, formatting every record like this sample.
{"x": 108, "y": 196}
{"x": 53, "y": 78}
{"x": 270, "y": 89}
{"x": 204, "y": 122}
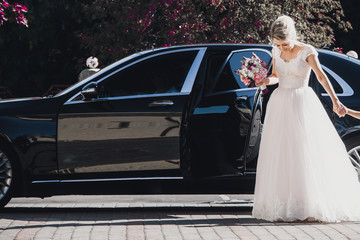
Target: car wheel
{"x": 7, "y": 180}
{"x": 353, "y": 148}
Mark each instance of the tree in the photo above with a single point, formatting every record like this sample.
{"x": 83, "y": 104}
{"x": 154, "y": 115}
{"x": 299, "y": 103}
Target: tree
{"x": 119, "y": 28}
{"x": 45, "y": 53}
{"x": 349, "y": 40}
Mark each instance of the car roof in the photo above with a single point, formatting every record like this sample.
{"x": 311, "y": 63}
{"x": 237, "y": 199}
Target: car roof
{"x": 339, "y": 55}
{"x": 208, "y": 46}
{"x": 214, "y": 46}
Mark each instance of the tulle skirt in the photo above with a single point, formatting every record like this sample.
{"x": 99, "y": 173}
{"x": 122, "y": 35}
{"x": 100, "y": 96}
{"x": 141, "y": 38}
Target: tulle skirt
{"x": 303, "y": 167}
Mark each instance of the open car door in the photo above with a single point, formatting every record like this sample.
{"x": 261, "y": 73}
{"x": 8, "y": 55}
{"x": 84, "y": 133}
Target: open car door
{"x": 223, "y": 130}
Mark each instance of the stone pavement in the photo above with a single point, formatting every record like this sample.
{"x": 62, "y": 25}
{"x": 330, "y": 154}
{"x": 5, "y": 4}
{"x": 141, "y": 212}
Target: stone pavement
{"x": 151, "y": 221}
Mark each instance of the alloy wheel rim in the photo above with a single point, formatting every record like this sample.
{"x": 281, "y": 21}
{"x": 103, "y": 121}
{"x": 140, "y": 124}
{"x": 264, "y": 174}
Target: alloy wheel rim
{"x": 354, "y": 155}
{"x": 5, "y": 174}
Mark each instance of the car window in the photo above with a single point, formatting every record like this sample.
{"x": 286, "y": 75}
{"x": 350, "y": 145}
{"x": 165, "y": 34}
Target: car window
{"x": 314, "y": 83}
{"x": 340, "y": 69}
{"x": 160, "y": 74}
{"x": 334, "y": 83}
{"x": 214, "y": 65}
{"x": 228, "y": 79}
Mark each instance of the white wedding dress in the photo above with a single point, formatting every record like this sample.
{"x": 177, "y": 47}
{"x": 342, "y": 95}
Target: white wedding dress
{"x": 303, "y": 167}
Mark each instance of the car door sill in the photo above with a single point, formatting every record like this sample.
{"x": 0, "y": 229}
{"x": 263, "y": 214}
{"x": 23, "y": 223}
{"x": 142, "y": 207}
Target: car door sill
{"x": 107, "y": 179}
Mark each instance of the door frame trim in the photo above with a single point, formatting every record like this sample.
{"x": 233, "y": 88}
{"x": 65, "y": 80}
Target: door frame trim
{"x": 107, "y": 179}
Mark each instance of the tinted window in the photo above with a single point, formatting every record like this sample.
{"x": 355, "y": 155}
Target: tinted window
{"x": 334, "y": 83}
{"x": 345, "y": 67}
{"x": 228, "y": 79}
{"x": 214, "y": 66}
{"x": 160, "y": 74}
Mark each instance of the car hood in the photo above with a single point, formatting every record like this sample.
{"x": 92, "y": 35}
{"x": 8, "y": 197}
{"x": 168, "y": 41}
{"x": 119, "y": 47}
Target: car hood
{"x": 29, "y": 105}
{"x": 18, "y": 99}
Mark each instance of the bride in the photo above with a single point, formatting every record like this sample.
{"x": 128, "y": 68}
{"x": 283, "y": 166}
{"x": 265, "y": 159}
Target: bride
{"x": 303, "y": 172}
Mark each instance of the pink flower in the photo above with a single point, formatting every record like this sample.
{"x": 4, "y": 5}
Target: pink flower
{"x": 20, "y": 8}
{"x": 338, "y": 49}
{"x": 5, "y": 3}
{"x": 168, "y": 1}
{"x": 245, "y": 80}
{"x": 259, "y": 76}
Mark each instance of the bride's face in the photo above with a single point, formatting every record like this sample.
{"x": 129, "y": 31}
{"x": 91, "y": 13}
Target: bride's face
{"x": 283, "y": 45}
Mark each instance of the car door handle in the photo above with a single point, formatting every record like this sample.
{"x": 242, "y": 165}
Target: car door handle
{"x": 161, "y": 103}
{"x": 242, "y": 98}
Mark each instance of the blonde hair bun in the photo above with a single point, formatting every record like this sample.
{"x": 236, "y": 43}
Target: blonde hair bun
{"x": 283, "y": 28}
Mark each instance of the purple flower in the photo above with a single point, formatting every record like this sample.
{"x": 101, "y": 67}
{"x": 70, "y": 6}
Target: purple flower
{"x": 258, "y": 24}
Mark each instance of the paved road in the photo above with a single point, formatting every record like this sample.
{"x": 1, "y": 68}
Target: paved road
{"x": 154, "y": 217}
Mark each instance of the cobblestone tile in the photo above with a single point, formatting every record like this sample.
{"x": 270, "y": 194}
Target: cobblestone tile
{"x": 156, "y": 221}
{"x": 313, "y": 231}
{"x": 347, "y": 231}
{"x": 261, "y": 233}
{"x": 294, "y": 231}
{"x": 329, "y": 231}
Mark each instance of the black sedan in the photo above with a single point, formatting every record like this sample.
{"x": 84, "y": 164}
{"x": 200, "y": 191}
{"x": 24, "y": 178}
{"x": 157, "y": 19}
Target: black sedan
{"x": 168, "y": 120}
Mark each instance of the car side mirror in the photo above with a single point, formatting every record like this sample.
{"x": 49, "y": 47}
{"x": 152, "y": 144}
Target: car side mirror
{"x": 89, "y": 91}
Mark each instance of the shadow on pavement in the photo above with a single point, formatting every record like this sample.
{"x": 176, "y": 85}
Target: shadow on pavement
{"x": 194, "y": 209}
{"x": 187, "y": 216}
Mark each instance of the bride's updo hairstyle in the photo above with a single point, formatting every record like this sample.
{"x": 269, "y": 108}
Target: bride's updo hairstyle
{"x": 283, "y": 28}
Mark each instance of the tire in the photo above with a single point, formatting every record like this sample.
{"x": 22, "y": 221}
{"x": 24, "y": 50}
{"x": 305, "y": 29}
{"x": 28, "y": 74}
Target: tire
{"x": 353, "y": 148}
{"x": 7, "y": 178}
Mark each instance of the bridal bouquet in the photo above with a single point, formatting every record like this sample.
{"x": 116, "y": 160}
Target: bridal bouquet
{"x": 252, "y": 71}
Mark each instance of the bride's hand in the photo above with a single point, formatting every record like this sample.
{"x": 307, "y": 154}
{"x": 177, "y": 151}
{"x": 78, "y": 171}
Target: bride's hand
{"x": 258, "y": 84}
{"x": 339, "y": 108}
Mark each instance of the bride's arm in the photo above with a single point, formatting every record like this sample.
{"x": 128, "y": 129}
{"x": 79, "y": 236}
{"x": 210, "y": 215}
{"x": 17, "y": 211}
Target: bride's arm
{"x": 314, "y": 63}
{"x": 272, "y": 79}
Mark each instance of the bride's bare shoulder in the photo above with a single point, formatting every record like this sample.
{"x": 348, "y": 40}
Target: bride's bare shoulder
{"x": 305, "y": 45}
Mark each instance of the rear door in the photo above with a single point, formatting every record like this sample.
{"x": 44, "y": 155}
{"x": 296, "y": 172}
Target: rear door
{"x": 224, "y": 128}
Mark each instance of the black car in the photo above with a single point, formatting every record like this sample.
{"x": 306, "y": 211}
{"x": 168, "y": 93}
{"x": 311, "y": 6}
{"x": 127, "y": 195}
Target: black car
{"x": 168, "y": 120}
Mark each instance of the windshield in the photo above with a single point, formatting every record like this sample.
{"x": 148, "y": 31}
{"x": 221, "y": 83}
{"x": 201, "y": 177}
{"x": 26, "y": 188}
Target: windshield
{"x": 68, "y": 89}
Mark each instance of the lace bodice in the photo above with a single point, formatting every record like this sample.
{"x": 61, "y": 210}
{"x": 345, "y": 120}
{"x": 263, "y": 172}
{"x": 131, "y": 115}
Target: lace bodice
{"x": 296, "y": 72}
